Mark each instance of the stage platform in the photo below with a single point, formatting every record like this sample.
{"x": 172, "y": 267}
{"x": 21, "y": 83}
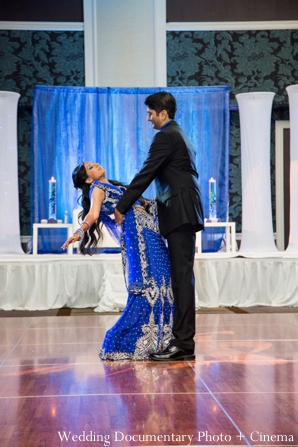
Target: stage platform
{"x": 39, "y": 282}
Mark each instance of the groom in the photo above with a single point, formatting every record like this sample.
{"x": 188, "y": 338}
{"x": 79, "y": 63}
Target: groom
{"x": 171, "y": 164}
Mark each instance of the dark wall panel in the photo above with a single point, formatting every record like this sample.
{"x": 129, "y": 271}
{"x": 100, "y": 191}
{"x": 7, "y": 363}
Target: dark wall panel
{"x": 177, "y": 10}
{"x": 41, "y": 10}
{"x": 28, "y": 58}
{"x": 231, "y": 10}
{"x": 248, "y": 61}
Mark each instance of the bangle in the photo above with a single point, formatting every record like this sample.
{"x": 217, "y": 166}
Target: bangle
{"x": 86, "y": 223}
{"x": 80, "y": 232}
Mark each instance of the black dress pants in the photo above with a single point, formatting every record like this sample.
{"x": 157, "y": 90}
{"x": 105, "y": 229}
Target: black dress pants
{"x": 181, "y": 245}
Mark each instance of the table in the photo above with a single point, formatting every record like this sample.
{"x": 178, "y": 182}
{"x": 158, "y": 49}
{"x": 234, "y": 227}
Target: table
{"x": 36, "y": 227}
{"x": 230, "y": 235}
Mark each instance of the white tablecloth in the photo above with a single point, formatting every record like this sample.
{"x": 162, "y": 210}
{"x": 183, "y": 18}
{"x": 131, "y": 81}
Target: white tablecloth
{"x": 53, "y": 281}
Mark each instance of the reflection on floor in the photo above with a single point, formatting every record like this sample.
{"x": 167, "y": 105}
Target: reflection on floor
{"x": 242, "y": 389}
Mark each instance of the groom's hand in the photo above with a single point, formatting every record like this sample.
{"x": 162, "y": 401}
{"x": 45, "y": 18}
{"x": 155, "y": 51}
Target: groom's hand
{"x": 118, "y": 216}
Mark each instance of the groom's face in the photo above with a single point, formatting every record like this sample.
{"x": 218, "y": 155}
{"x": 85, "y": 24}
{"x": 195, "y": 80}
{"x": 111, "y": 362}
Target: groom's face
{"x": 156, "y": 119}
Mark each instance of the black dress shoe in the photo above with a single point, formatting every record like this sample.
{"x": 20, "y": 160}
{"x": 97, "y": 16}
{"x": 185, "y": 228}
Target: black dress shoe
{"x": 172, "y": 353}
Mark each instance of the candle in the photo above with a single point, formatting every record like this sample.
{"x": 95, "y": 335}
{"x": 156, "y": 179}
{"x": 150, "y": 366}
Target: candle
{"x": 212, "y": 199}
{"x": 52, "y": 198}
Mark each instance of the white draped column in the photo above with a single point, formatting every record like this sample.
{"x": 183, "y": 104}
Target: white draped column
{"x": 255, "y": 120}
{"x": 293, "y": 102}
{"x": 10, "y": 241}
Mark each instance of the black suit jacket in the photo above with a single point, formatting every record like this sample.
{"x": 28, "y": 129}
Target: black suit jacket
{"x": 171, "y": 163}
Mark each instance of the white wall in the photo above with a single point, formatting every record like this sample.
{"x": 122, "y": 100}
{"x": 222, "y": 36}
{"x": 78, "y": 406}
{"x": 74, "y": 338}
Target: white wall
{"x": 125, "y": 43}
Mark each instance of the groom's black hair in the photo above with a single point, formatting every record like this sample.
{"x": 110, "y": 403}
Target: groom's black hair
{"x": 162, "y": 101}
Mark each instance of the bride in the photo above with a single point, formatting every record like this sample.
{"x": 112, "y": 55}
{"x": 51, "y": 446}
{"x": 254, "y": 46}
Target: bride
{"x": 145, "y": 326}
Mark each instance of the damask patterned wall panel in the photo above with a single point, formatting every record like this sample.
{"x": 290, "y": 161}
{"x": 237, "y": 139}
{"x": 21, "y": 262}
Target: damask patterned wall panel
{"x": 28, "y": 58}
{"x": 247, "y": 61}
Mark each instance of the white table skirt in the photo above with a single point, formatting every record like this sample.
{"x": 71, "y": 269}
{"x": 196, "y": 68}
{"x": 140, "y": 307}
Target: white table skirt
{"x": 52, "y": 281}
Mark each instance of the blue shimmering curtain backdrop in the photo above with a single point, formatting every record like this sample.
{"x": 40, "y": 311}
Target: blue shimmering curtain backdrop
{"x": 109, "y": 125}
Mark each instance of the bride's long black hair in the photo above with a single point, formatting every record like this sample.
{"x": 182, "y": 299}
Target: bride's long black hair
{"x": 92, "y": 237}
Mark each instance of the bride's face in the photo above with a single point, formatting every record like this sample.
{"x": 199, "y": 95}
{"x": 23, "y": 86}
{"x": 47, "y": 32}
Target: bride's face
{"x": 94, "y": 171}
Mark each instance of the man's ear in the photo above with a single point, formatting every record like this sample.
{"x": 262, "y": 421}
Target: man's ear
{"x": 164, "y": 114}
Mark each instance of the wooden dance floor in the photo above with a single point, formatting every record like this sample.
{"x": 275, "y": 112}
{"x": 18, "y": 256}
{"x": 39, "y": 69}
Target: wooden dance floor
{"x": 242, "y": 389}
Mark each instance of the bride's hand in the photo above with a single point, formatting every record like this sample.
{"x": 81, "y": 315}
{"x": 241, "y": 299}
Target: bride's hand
{"x": 71, "y": 240}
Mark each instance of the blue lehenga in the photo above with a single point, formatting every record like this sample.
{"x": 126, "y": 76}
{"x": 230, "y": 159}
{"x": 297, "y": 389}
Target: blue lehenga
{"x": 145, "y": 326}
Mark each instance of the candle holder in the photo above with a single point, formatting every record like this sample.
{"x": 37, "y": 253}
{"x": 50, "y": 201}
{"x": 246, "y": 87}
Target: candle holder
{"x": 212, "y": 200}
{"x": 52, "y": 200}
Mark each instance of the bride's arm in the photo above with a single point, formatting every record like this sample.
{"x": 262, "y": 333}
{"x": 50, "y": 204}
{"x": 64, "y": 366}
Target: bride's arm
{"x": 97, "y": 198}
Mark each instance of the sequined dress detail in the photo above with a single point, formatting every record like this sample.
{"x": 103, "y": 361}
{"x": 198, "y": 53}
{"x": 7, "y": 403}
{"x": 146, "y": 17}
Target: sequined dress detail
{"x": 145, "y": 326}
